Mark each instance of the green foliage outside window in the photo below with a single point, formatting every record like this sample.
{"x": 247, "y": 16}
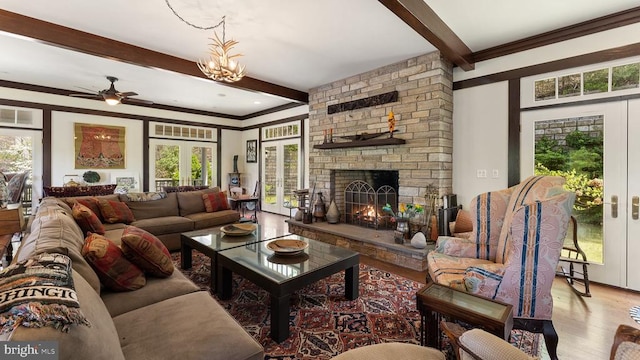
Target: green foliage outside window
{"x": 580, "y": 162}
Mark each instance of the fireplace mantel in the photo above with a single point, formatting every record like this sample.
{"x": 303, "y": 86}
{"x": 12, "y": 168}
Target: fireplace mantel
{"x": 360, "y": 143}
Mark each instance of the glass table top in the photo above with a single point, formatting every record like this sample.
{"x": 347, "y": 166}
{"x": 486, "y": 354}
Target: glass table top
{"x": 482, "y": 306}
{"x": 215, "y": 239}
{"x": 280, "y": 268}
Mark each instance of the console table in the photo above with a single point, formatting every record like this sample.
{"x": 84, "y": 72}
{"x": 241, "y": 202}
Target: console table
{"x": 436, "y": 301}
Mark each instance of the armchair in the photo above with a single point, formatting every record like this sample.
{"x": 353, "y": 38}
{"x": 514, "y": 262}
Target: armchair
{"x": 513, "y": 251}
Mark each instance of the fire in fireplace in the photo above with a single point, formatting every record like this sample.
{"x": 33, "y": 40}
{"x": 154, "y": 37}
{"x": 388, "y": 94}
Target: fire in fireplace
{"x": 363, "y": 205}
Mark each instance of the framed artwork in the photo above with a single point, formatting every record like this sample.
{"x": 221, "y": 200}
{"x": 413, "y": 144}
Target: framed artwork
{"x": 252, "y": 151}
{"x": 99, "y": 146}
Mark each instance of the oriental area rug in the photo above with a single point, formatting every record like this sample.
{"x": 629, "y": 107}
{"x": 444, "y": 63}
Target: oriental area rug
{"x": 323, "y": 323}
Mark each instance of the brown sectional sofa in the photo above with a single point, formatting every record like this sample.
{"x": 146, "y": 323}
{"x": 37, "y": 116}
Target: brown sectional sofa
{"x": 169, "y": 217}
{"x": 168, "y": 318}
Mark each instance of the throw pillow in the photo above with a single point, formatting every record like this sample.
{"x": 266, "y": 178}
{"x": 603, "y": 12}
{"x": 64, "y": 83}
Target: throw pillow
{"x": 39, "y": 292}
{"x": 115, "y": 212}
{"x": 87, "y": 219}
{"x": 90, "y": 202}
{"x": 215, "y": 201}
{"x": 114, "y": 270}
{"x": 146, "y": 251}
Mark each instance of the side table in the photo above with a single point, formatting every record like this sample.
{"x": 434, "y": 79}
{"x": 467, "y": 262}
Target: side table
{"x": 11, "y": 222}
{"x": 435, "y": 301}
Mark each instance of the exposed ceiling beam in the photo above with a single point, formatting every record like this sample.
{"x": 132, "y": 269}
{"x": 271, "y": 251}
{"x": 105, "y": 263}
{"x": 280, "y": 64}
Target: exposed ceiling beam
{"x": 421, "y": 18}
{"x": 87, "y": 43}
{"x": 603, "y": 23}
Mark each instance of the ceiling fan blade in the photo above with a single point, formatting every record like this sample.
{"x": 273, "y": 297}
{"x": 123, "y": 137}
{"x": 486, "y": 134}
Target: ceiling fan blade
{"x": 84, "y": 88}
{"x": 126, "y": 94}
{"x": 89, "y": 96}
{"x": 136, "y": 101}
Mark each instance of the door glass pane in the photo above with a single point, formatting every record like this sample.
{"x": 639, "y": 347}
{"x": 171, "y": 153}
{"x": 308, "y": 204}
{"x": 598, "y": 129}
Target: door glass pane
{"x": 201, "y": 165}
{"x": 270, "y": 175}
{"x": 167, "y": 163}
{"x": 16, "y": 156}
{"x": 573, "y": 148}
{"x": 290, "y": 174}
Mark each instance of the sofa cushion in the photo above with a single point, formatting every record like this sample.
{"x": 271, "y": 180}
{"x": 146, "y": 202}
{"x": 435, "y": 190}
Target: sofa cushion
{"x": 191, "y": 201}
{"x": 87, "y": 219}
{"x": 146, "y": 251}
{"x": 167, "y": 206}
{"x": 113, "y": 269}
{"x": 156, "y": 290}
{"x": 54, "y": 230}
{"x": 114, "y": 211}
{"x": 98, "y": 342}
{"x": 215, "y": 202}
{"x": 39, "y": 292}
{"x": 165, "y": 225}
{"x": 205, "y": 220}
{"x": 218, "y": 335}
{"x": 142, "y": 196}
{"x": 89, "y": 201}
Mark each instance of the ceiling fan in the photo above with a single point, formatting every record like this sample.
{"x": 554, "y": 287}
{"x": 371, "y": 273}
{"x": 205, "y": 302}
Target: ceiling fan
{"x": 112, "y": 96}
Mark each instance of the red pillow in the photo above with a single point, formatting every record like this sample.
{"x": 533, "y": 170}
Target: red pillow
{"x": 90, "y": 202}
{"x": 216, "y": 201}
{"x": 115, "y": 212}
{"x": 114, "y": 270}
{"x": 146, "y": 251}
{"x": 87, "y": 219}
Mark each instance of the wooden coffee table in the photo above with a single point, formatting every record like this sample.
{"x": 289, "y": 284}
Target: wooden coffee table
{"x": 436, "y": 301}
{"x": 281, "y": 275}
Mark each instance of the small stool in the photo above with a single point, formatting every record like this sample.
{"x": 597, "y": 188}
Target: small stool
{"x": 391, "y": 351}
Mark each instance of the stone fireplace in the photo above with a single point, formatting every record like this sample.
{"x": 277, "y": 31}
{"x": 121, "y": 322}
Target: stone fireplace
{"x": 421, "y": 152}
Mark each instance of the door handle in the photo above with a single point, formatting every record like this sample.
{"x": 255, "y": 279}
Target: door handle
{"x": 614, "y": 206}
{"x": 634, "y": 207}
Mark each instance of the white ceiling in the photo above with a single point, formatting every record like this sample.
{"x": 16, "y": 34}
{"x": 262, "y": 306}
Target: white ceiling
{"x": 300, "y": 44}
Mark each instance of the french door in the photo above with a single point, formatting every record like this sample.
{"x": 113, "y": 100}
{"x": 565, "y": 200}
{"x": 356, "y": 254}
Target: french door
{"x": 20, "y": 150}
{"x": 175, "y": 162}
{"x": 612, "y": 242}
{"x": 281, "y": 166}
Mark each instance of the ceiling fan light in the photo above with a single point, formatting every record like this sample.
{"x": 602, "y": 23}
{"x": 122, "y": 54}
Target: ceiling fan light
{"x": 112, "y": 100}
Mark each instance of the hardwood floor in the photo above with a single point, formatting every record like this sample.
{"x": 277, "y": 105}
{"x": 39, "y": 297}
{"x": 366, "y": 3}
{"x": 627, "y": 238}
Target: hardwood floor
{"x": 585, "y": 325}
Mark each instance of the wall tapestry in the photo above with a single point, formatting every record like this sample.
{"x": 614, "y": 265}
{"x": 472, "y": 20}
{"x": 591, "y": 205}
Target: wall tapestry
{"x": 99, "y": 146}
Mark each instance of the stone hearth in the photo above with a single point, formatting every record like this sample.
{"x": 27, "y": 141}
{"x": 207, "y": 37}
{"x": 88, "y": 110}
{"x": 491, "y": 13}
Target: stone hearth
{"x": 378, "y": 244}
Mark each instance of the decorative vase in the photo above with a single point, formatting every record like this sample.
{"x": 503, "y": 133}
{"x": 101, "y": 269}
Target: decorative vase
{"x": 401, "y": 232}
{"x": 298, "y": 216}
{"x": 419, "y": 241}
{"x": 333, "y": 215}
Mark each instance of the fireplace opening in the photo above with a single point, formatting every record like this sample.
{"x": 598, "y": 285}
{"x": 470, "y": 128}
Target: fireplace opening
{"x": 363, "y": 205}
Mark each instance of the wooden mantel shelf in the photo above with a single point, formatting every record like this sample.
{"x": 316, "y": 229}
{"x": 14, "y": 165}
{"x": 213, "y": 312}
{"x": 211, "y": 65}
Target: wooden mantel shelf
{"x": 360, "y": 143}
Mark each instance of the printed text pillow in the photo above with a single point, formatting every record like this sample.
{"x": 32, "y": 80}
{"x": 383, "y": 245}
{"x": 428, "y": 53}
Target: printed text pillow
{"x": 216, "y": 201}
{"x": 39, "y": 292}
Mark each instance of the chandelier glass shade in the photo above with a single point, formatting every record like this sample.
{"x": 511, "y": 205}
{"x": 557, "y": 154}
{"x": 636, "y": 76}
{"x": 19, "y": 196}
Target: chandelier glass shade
{"x": 221, "y": 65}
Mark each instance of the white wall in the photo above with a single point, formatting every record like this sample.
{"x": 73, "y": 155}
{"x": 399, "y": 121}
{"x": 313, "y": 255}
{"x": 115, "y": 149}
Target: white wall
{"x": 480, "y": 114}
{"x": 63, "y": 147}
{"x": 480, "y": 123}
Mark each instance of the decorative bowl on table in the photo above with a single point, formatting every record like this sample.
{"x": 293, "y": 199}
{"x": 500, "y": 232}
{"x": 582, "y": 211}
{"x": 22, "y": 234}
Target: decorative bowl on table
{"x": 238, "y": 229}
{"x": 287, "y": 246}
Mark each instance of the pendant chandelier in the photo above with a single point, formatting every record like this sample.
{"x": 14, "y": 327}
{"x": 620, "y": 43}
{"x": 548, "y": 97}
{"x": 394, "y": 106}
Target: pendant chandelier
{"x": 221, "y": 65}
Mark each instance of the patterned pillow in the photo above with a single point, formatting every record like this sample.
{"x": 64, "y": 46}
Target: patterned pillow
{"x": 114, "y": 270}
{"x": 115, "y": 212}
{"x": 87, "y": 219}
{"x": 146, "y": 251}
{"x": 39, "y": 292}
{"x": 90, "y": 202}
{"x": 215, "y": 201}
{"x": 148, "y": 196}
